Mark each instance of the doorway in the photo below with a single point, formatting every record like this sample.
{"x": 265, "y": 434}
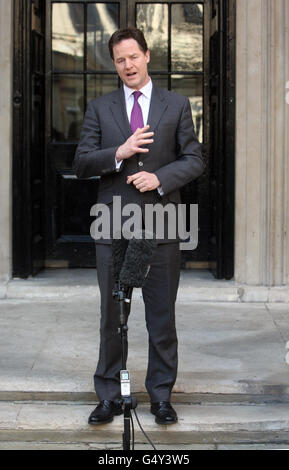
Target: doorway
{"x": 192, "y": 53}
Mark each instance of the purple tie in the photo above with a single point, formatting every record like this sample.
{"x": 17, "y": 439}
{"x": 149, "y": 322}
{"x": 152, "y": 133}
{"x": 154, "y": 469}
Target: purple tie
{"x": 136, "y": 119}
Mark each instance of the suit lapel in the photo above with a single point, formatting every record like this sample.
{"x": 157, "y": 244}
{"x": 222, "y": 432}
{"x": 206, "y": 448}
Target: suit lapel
{"x": 118, "y": 109}
{"x": 158, "y": 106}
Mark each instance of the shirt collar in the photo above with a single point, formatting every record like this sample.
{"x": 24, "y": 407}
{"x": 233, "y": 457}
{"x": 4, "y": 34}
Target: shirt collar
{"x": 146, "y": 90}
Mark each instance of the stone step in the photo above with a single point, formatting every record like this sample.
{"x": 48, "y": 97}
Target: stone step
{"x": 35, "y": 445}
{"x": 66, "y": 422}
{"x": 274, "y": 396}
{"x": 195, "y": 286}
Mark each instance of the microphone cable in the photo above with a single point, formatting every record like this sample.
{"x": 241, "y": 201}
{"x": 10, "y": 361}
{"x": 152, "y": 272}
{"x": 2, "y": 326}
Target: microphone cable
{"x": 145, "y": 434}
{"x": 132, "y": 429}
{"x": 143, "y": 431}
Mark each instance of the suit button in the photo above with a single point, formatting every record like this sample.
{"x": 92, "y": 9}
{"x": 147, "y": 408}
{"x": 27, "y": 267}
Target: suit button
{"x": 140, "y": 163}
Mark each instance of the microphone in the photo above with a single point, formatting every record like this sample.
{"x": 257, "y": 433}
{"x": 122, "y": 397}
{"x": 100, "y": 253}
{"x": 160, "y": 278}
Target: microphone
{"x": 131, "y": 264}
{"x": 137, "y": 260}
{"x": 119, "y": 247}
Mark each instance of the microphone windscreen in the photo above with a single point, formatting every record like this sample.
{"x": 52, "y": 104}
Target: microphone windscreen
{"x": 119, "y": 248}
{"x": 137, "y": 261}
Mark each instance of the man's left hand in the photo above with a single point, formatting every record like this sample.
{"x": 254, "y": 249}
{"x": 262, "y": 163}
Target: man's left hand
{"x": 144, "y": 181}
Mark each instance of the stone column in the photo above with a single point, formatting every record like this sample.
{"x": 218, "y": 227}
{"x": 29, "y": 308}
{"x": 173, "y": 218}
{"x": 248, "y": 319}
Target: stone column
{"x": 262, "y": 143}
{"x": 6, "y": 55}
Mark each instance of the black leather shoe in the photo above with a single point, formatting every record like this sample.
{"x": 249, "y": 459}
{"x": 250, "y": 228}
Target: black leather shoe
{"x": 164, "y": 412}
{"x": 105, "y": 411}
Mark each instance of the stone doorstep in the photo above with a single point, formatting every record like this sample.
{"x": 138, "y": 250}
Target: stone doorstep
{"x": 221, "y": 291}
{"x": 198, "y": 424}
{"x": 117, "y": 446}
{"x": 34, "y": 445}
{"x": 205, "y": 398}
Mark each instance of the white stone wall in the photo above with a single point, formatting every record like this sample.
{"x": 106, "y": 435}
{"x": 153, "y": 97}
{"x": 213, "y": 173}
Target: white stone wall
{"x": 262, "y": 150}
{"x": 5, "y": 137}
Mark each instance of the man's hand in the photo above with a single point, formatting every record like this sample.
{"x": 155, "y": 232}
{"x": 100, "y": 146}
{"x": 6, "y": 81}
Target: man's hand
{"x": 144, "y": 181}
{"x": 133, "y": 143}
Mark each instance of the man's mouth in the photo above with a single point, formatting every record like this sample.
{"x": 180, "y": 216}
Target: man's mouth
{"x": 131, "y": 74}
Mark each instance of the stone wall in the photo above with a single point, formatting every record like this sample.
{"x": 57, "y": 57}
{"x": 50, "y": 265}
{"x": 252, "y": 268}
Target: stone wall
{"x": 262, "y": 150}
{"x": 5, "y": 138}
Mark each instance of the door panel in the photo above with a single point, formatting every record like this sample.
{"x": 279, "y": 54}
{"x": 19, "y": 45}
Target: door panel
{"x": 81, "y": 69}
{"x": 177, "y": 34}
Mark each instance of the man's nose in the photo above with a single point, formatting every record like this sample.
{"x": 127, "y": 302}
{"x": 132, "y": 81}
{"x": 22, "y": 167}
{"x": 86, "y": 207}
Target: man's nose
{"x": 128, "y": 64}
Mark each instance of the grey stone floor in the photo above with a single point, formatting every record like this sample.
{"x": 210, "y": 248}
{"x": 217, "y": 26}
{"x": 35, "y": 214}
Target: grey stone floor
{"x": 51, "y": 345}
{"x": 233, "y": 376}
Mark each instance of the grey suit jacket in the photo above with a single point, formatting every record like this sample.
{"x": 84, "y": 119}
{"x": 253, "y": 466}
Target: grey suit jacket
{"x": 174, "y": 156}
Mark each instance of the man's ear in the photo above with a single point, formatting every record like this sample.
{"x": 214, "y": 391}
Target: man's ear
{"x": 148, "y": 56}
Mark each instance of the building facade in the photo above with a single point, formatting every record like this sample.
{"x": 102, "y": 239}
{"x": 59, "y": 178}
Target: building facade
{"x": 230, "y": 58}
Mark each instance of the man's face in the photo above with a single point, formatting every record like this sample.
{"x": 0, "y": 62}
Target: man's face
{"x": 131, "y": 63}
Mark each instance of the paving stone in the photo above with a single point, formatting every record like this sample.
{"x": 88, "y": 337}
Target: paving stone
{"x": 51, "y": 346}
{"x": 208, "y": 424}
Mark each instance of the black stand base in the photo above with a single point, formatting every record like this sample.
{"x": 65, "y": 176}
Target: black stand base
{"x": 129, "y": 404}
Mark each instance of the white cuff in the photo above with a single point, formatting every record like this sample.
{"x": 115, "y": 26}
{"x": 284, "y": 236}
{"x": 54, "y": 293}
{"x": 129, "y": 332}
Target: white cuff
{"x": 160, "y": 190}
{"x": 117, "y": 164}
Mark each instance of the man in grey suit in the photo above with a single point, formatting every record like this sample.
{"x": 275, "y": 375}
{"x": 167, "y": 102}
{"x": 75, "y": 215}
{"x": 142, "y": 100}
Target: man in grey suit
{"x": 140, "y": 140}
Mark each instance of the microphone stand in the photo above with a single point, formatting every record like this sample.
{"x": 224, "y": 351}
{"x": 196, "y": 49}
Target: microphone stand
{"x": 123, "y": 295}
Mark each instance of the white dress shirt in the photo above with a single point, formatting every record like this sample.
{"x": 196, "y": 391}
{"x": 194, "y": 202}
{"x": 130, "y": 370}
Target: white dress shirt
{"x": 144, "y": 102}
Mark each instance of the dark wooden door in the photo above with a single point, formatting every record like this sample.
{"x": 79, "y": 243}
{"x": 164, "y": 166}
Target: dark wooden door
{"x": 28, "y": 137}
{"x": 222, "y": 137}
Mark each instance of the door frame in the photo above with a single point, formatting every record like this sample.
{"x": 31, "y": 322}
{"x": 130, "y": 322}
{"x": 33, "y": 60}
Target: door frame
{"x": 222, "y": 262}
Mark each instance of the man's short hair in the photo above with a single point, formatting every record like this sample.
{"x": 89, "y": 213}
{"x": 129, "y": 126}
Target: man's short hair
{"x": 128, "y": 33}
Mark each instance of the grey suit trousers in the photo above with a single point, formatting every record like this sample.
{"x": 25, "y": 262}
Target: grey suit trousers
{"x": 159, "y": 294}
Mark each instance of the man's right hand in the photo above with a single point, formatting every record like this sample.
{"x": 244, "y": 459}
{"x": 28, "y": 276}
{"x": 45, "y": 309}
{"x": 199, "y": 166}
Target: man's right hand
{"x": 133, "y": 143}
